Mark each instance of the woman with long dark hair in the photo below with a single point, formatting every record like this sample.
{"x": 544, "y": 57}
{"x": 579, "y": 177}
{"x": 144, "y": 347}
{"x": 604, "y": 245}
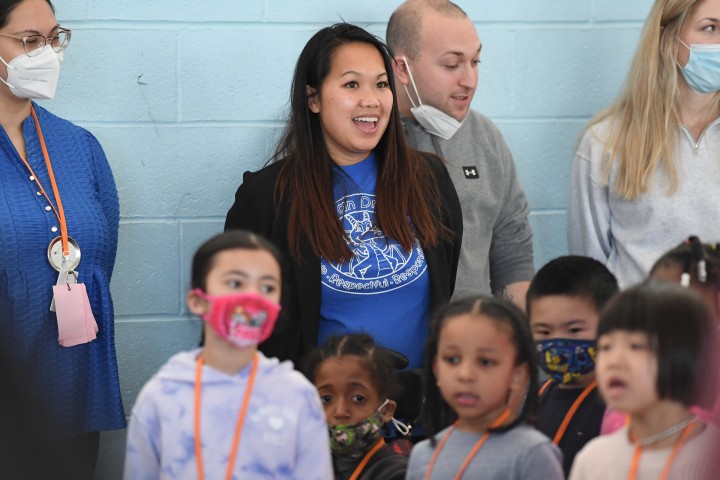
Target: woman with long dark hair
{"x": 371, "y": 227}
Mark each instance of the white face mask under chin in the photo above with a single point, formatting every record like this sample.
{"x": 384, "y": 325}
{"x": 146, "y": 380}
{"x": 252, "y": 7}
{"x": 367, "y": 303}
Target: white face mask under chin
{"x": 34, "y": 77}
{"x": 434, "y": 121}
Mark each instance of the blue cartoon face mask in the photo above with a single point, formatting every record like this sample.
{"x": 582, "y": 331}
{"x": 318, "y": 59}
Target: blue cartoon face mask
{"x": 567, "y": 360}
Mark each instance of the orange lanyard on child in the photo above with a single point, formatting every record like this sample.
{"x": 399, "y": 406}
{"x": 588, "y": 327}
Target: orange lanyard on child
{"x": 240, "y": 420}
{"x": 59, "y": 212}
{"x": 632, "y": 474}
{"x": 571, "y": 412}
{"x": 366, "y": 459}
{"x": 504, "y": 416}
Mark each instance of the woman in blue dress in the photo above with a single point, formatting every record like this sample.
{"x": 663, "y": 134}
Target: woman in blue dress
{"x": 58, "y": 225}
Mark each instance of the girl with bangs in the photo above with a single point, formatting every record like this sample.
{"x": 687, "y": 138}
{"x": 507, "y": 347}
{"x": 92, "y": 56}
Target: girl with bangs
{"x": 656, "y": 346}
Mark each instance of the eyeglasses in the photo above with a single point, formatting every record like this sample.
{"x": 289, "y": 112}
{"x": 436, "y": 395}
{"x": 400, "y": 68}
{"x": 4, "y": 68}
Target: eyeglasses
{"x": 34, "y": 44}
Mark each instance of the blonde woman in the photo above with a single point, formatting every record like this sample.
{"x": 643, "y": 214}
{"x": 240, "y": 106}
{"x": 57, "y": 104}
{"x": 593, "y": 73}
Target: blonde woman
{"x": 647, "y": 170}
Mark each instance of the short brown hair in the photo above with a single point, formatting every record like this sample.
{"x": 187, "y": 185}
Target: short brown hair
{"x": 404, "y": 26}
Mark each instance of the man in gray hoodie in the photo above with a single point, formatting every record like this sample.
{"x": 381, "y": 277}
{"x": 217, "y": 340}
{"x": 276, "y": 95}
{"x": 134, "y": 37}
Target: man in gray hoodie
{"x": 437, "y": 51}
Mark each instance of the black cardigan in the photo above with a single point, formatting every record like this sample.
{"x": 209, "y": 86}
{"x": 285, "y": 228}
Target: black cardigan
{"x": 297, "y": 328}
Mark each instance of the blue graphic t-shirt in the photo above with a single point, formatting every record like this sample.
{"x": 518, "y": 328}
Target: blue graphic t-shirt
{"x": 383, "y": 290}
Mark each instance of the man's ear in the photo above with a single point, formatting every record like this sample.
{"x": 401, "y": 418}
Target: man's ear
{"x": 388, "y": 411}
{"x": 312, "y": 98}
{"x": 196, "y": 303}
{"x": 400, "y": 68}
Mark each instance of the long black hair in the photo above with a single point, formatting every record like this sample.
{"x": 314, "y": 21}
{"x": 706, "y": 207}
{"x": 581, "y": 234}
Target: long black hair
{"x": 405, "y": 184}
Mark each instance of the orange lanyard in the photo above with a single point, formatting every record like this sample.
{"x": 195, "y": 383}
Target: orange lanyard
{"x": 59, "y": 212}
{"x": 366, "y": 459}
{"x": 240, "y": 420}
{"x": 544, "y": 387}
{"x": 571, "y": 412}
{"x": 632, "y": 474}
{"x": 504, "y": 416}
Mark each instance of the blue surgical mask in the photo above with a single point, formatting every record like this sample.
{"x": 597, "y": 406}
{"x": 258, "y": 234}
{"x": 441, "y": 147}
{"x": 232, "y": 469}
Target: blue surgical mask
{"x": 567, "y": 360}
{"x": 434, "y": 121}
{"x": 702, "y": 72}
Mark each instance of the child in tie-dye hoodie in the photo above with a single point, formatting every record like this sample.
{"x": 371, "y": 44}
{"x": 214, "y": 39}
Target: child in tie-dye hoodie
{"x": 226, "y": 410}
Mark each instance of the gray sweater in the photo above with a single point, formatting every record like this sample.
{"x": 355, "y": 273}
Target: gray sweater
{"x": 497, "y": 241}
{"x": 521, "y": 453}
{"x": 628, "y": 236}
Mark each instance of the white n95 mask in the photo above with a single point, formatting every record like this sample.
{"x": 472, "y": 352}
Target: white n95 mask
{"x": 434, "y": 121}
{"x": 34, "y": 77}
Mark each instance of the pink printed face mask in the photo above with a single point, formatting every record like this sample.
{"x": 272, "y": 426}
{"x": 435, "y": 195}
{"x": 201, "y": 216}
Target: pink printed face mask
{"x": 244, "y": 319}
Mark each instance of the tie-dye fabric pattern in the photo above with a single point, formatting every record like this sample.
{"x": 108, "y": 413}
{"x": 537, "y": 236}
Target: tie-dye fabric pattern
{"x": 284, "y": 435}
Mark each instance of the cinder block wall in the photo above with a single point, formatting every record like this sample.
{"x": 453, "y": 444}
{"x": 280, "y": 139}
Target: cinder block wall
{"x": 186, "y": 95}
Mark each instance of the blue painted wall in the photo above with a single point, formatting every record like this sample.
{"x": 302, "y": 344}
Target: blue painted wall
{"x": 186, "y": 95}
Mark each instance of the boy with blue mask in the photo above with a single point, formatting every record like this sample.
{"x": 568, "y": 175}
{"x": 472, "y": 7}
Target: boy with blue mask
{"x": 437, "y": 52}
{"x": 564, "y": 301}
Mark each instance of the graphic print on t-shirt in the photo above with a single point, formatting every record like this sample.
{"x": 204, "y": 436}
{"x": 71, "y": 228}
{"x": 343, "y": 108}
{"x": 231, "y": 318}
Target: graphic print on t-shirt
{"x": 378, "y": 264}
